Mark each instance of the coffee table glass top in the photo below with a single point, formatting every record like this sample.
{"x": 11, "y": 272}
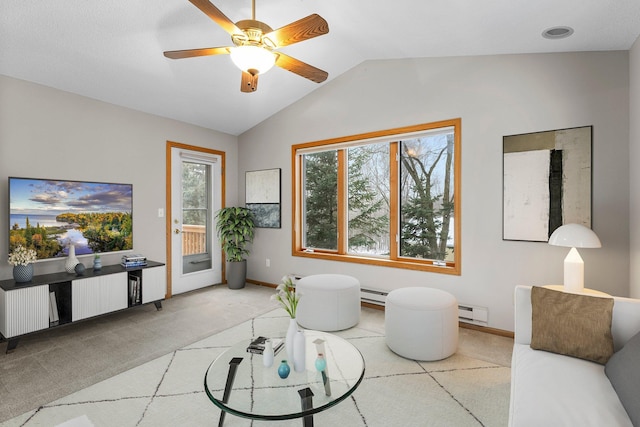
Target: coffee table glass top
{"x": 259, "y": 393}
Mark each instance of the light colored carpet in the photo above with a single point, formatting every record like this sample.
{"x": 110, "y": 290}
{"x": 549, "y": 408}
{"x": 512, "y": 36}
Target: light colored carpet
{"x": 168, "y": 391}
{"x": 56, "y": 362}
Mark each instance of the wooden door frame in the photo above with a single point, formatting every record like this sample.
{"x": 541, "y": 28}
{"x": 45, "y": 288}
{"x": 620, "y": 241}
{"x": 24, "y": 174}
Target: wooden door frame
{"x": 168, "y": 237}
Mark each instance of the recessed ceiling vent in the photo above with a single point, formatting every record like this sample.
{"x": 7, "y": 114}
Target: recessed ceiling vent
{"x": 557, "y": 33}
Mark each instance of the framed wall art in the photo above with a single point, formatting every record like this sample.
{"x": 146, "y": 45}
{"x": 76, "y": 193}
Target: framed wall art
{"x": 546, "y": 182}
{"x": 262, "y": 197}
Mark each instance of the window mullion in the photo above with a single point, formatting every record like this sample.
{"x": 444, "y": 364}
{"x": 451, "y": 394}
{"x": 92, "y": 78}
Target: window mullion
{"x": 394, "y": 219}
{"x": 342, "y": 202}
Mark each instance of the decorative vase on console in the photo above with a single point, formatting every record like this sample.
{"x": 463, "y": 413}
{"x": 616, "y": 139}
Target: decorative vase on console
{"x": 72, "y": 261}
{"x": 23, "y": 273}
{"x": 22, "y": 260}
{"x": 97, "y": 263}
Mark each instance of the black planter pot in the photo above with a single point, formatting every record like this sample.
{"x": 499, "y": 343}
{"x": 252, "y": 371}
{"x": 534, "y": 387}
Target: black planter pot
{"x": 236, "y": 274}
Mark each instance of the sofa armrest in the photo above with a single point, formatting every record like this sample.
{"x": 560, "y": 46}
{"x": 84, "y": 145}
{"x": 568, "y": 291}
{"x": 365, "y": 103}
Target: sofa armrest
{"x": 626, "y": 320}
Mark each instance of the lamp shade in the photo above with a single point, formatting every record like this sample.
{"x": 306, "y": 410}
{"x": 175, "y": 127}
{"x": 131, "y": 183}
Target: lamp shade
{"x": 253, "y": 59}
{"x": 574, "y": 236}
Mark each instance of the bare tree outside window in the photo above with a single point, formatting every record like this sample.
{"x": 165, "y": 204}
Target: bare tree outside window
{"x": 427, "y": 201}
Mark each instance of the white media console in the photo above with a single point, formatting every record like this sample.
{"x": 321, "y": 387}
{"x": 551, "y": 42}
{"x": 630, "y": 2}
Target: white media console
{"x": 52, "y": 300}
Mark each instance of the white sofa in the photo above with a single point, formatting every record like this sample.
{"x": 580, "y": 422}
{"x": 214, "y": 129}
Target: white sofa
{"x": 549, "y": 389}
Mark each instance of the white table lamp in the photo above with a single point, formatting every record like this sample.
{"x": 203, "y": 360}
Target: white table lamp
{"x": 574, "y": 236}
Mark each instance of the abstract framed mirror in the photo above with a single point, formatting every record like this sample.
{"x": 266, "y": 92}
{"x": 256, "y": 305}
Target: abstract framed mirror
{"x": 262, "y": 197}
{"x": 546, "y": 182}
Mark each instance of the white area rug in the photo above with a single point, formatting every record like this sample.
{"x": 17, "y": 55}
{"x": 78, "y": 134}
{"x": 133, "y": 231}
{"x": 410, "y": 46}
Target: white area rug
{"x": 168, "y": 391}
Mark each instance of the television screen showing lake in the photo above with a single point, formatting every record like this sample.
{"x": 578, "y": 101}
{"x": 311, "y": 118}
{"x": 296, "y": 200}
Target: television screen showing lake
{"x": 20, "y": 220}
{"x": 50, "y": 215}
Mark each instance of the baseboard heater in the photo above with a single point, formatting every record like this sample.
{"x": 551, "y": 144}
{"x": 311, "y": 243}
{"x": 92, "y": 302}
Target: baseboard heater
{"x": 466, "y": 313}
{"x": 474, "y": 315}
{"x": 373, "y": 296}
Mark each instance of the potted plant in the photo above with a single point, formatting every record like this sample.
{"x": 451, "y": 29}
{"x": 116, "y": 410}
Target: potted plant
{"x": 235, "y": 228}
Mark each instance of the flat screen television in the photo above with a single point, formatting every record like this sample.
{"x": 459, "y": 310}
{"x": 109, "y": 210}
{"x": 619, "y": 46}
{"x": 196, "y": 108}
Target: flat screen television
{"x": 48, "y": 215}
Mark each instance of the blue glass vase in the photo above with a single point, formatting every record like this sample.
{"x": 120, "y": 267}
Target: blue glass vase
{"x": 284, "y": 369}
{"x": 321, "y": 364}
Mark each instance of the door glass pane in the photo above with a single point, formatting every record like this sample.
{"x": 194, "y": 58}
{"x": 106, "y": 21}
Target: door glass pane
{"x": 195, "y": 216}
{"x": 320, "y": 210}
{"x": 426, "y": 197}
{"x": 368, "y": 199}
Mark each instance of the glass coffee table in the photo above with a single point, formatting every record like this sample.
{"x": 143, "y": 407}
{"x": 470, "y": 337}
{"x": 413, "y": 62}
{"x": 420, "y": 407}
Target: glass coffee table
{"x": 238, "y": 383}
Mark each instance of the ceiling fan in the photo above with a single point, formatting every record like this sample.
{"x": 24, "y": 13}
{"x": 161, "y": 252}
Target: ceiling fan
{"x": 255, "y": 44}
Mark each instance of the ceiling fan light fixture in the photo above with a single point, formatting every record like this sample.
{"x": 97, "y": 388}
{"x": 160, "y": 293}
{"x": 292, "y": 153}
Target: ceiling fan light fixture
{"x": 256, "y": 45}
{"x": 253, "y": 59}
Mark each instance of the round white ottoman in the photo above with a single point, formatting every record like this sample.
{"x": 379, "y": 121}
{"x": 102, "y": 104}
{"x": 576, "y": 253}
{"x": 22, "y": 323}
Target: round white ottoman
{"x": 421, "y": 323}
{"x": 328, "y": 302}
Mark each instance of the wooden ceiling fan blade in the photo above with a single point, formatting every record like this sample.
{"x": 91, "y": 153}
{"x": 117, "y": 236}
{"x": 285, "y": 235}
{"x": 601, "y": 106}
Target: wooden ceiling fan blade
{"x": 249, "y": 82}
{"x": 300, "y": 68}
{"x": 191, "y": 53}
{"x": 217, "y": 16}
{"x": 304, "y": 29}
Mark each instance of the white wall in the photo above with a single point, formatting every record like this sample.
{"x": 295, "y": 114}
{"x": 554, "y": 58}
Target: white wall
{"x": 634, "y": 160}
{"x": 47, "y": 133}
{"x": 494, "y": 96}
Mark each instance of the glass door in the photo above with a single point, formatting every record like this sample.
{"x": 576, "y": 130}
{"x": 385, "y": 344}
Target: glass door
{"x": 196, "y": 255}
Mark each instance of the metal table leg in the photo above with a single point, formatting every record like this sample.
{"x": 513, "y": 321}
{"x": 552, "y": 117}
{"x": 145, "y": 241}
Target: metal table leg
{"x": 233, "y": 367}
{"x": 306, "y": 398}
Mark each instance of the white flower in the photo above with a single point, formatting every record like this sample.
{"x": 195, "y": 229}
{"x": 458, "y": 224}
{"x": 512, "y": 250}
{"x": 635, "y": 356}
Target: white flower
{"x": 22, "y": 256}
{"x": 287, "y": 296}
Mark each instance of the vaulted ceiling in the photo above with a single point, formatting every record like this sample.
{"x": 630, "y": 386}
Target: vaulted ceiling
{"x": 112, "y": 50}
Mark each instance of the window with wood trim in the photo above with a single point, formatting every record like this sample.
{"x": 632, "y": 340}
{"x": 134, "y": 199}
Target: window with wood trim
{"x": 388, "y": 198}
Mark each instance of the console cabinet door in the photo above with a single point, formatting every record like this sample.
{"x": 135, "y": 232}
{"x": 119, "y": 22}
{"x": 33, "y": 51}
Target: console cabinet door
{"x": 154, "y": 284}
{"x": 98, "y": 295}
{"x": 24, "y": 310}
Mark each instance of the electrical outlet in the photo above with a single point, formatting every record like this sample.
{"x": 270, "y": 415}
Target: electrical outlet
{"x": 268, "y": 262}
{"x": 160, "y": 213}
